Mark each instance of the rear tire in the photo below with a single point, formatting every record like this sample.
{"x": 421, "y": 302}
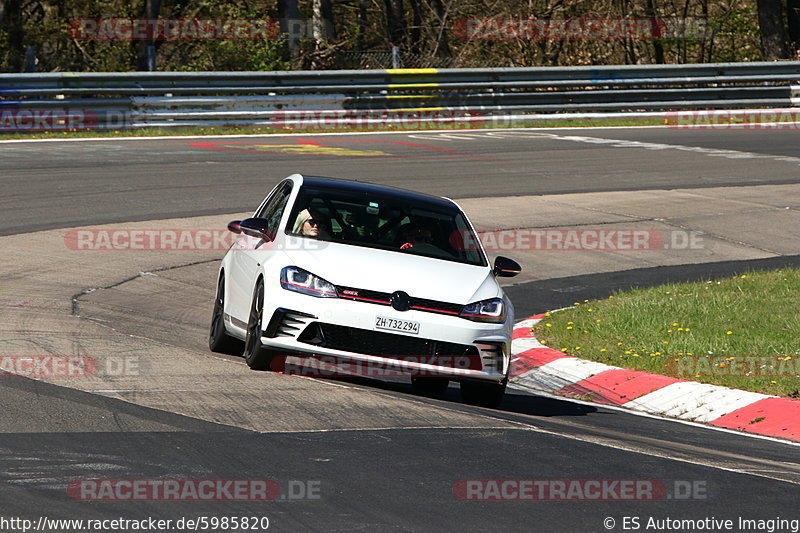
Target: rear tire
{"x": 257, "y": 357}
{"x": 428, "y": 385}
{"x": 483, "y": 394}
{"x": 219, "y": 340}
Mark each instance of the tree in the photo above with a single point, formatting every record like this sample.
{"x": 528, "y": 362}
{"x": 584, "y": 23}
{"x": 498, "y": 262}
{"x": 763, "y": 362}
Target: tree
{"x": 11, "y": 16}
{"x": 323, "y": 27}
{"x": 773, "y": 34}
{"x": 290, "y": 22}
{"x": 395, "y": 22}
{"x": 793, "y": 18}
{"x": 442, "y": 46}
{"x": 147, "y": 48}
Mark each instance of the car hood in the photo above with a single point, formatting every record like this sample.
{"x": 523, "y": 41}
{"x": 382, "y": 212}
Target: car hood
{"x": 388, "y": 271}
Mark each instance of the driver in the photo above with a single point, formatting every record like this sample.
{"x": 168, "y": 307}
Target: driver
{"x": 416, "y": 235}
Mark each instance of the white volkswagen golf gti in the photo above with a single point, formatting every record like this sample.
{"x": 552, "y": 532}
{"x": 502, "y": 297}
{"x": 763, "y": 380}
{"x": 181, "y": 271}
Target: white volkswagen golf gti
{"x": 368, "y": 274}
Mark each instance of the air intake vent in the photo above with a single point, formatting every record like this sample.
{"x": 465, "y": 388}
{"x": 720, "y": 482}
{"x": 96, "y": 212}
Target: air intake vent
{"x": 287, "y": 323}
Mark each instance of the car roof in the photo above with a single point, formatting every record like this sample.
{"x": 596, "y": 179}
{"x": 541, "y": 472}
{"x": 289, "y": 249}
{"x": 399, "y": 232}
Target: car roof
{"x": 372, "y": 188}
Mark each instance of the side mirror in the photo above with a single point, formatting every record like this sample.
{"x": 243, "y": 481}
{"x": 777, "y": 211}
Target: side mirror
{"x": 233, "y": 226}
{"x": 256, "y": 227}
{"x": 505, "y": 267}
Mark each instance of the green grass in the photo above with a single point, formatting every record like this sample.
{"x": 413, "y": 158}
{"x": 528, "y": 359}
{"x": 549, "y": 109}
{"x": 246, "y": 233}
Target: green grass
{"x": 149, "y": 132}
{"x": 741, "y": 332}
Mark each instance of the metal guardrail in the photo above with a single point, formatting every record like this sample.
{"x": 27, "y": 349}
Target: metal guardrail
{"x": 137, "y": 99}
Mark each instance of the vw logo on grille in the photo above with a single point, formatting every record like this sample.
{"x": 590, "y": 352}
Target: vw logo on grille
{"x": 400, "y": 301}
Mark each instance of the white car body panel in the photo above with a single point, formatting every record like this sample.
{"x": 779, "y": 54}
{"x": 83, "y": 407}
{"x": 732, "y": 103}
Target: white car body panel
{"x": 367, "y": 269}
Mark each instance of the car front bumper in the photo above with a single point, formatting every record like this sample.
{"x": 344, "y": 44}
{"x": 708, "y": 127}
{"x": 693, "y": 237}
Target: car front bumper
{"x": 338, "y": 330}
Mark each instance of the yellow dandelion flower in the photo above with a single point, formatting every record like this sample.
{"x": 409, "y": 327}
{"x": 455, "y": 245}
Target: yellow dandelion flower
{"x": 602, "y": 349}
{"x": 743, "y": 276}
{"x": 569, "y": 327}
{"x": 773, "y": 382}
{"x": 687, "y": 329}
{"x": 665, "y": 342}
{"x": 675, "y": 324}
{"x": 669, "y": 331}
{"x": 729, "y": 332}
{"x": 570, "y": 323}
{"x": 549, "y": 325}
{"x": 619, "y": 344}
{"x": 680, "y": 329}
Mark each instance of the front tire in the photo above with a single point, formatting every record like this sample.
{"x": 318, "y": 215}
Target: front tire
{"x": 483, "y": 394}
{"x": 219, "y": 340}
{"x": 255, "y": 355}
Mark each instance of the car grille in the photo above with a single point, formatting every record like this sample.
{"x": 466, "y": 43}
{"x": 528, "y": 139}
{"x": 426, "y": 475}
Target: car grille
{"x": 391, "y": 346}
{"x": 383, "y": 298}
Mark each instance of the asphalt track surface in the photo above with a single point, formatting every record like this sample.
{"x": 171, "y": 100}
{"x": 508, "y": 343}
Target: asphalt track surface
{"x": 56, "y": 185}
{"x": 398, "y": 477}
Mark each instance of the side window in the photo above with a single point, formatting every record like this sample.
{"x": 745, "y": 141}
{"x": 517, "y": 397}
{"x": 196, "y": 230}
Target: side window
{"x": 273, "y": 209}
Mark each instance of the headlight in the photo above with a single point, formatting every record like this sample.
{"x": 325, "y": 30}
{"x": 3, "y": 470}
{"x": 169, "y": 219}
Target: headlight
{"x": 492, "y": 310}
{"x": 299, "y": 280}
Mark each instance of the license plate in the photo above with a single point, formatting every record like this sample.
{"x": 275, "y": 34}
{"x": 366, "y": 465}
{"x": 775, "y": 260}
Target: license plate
{"x": 392, "y": 324}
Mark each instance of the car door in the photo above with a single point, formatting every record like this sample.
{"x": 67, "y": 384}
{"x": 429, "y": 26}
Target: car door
{"x": 249, "y": 254}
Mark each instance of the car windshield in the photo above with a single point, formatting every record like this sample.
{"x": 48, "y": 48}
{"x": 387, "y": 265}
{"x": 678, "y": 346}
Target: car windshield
{"x": 404, "y": 224}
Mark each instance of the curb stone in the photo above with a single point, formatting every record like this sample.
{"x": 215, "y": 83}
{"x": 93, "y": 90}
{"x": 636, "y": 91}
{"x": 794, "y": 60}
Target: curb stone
{"x": 538, "y": 367}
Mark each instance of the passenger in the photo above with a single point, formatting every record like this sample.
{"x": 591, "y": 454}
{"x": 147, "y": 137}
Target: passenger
{"x": 310, "y": 224}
